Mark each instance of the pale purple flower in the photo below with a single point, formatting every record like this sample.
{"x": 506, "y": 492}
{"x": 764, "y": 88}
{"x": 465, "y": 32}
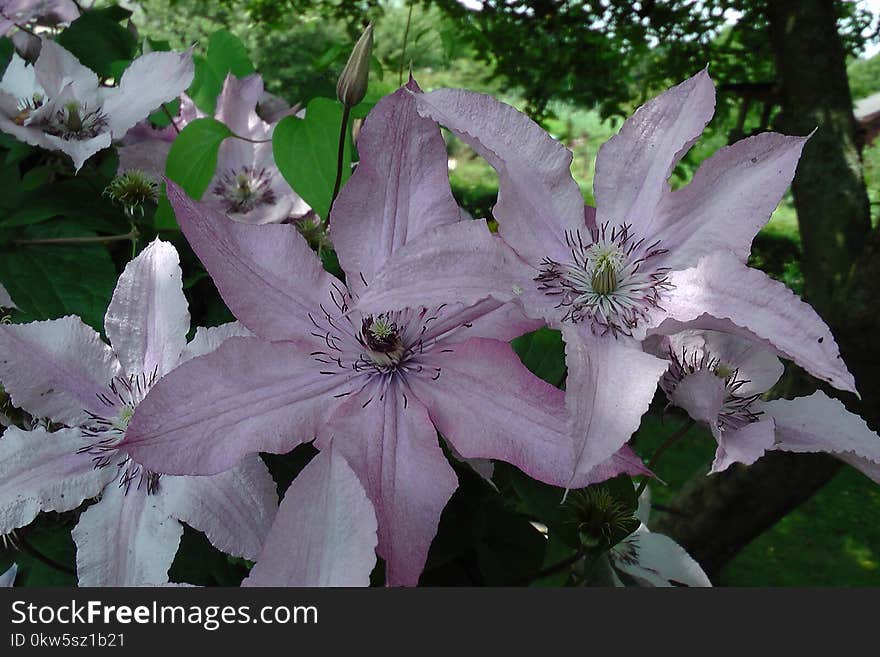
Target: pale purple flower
{"x": 379, "y": 385}
{"x": 15, "y": 13}
{"x": 324, "y": 533}
{"x": 645, "y": 558}
{"x": 7, "y": 579}
{"x": 62, "y": 371}
{"x": 719, "y": 379}
{"x": 647, "y": 259}
{"x": 247, "y": 186}
{"x": 5, "y": 300}
{"x": 59, "y": 104}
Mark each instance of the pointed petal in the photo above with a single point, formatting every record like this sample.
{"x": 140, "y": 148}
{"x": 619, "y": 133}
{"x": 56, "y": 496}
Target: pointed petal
{"x": 519, "y": 418}
{"x": 662, "y": 562}
{"x": 538, "y": 200}
{"x": 818, "y": 423}
{"x": 633, "y": 167}
{"x": 41, "y": 471}
{"x": 324, "y": 533}
{"x": 56, "y": 368}
{"x": 150, "y": 80}
{"x": 609, "y": 387}
{"x": 7, "y": 579}
{"x": 267, "y": 275}
{"x": 79, "y": 150}
{"x": 20, "y": 80}
{"x": 56, "y": 68}
{"x": 624, "y": 461}
{"x": 125, "y": 540}
{"x": 730, "y": 198}
{"x": 234, "y": 508}
{"x": 207, "y": 340}
{"x": 148, "y": 317}
{"x": 6, "y": 300}
{"x": 237, "y": 104}
{"x": 721, "y": 287}
{"x": 393, "y": 447}
{"x": 399, "y": 190}
{"x": 248, "y": 396}
{"x": 745, "y": 445}
{"x": 458, "y": 263}
{"x": 485, "y": 319}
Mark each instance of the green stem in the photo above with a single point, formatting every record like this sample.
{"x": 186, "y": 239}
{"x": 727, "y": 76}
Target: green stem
{"x": 339, "y": 159}
{"x": 671, "y": 440}
{"x": 403, "y": 52}
{"x": 133, "y": 234}
{"x": 27, "y": 548}
{"x": 568, "y": 562}
{"x": 170, "y": 118}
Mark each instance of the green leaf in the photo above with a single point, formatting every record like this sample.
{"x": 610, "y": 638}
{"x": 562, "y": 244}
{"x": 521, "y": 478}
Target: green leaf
{"x": 6, "y": 50}
{"x": 306, "y": 152}
{"x": 47, "y": 281}
{"x": 226, "y": 54}
{"x": 192, "y": 159}
{"x": 98, "y": 41}
{"x": 543, "y": 352}
{"x": 164, "y": 218}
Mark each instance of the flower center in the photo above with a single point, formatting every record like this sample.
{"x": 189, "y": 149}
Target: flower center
{"x": 382, "y": 341}
{"x": 610, "y": 281}
{"x": 736, "y": 411}
{"x": 75, "y": 121}
{"x": 25, "y": 107}
{"x": 244, "y": 190}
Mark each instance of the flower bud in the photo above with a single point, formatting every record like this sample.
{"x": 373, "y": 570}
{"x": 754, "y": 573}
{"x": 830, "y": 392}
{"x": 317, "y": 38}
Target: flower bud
{"x": 352, "y": 85}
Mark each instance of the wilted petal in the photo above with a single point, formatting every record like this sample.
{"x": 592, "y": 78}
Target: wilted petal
{"x": 457, "y": 263}
{"x": 610, "y": 385}
{"x": 56, "y": 368}
{"x": 519, "y": 418}
{"x": 148, "y": 317}
{"x": 7, "y": 579}
{"x": 660, "y": 561}
{"x": 150, "y": 80}
{"x": 324, "y": 533}
{"x": 723, "y": 288}
{"x": 393, "y": 447}
{"x": 744, "y": 445}
{"x": 538, "y": 200}
{"x": 267, "y": 275}
{"x": 729, "y": 200}
{"x": 818, "y": 423}
{"x": 399, "y": 190}
{"x": 207, "y": 340}
{"x": 42, "y": 471}
{"x": 234, "y": 508}
{"x": 125, "y": 540}
{"x": 248, "y": 396}
{"x": 633, "y": 167}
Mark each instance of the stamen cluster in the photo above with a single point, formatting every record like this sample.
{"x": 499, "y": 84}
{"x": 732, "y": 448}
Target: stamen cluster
{"x": 246, "y": 189}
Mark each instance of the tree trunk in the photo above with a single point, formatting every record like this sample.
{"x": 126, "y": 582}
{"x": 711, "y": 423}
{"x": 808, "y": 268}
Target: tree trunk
{"x": 721, "y": 514}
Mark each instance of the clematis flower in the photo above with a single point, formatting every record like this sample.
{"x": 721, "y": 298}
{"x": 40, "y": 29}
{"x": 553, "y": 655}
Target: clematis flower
{"x": 15, "y": 13}
{"x": 61, "y": 370}
{"x": 646, "y": 260}
{"x": 7, "y": 579}
{"x": 719, "y": 379}
{"x": 645, "y": 558}
{"x": 59, "y": 104}
{"x": 324, "y": 533}
{"x": 378, "y": 385}
{"x": 247, "y": 185}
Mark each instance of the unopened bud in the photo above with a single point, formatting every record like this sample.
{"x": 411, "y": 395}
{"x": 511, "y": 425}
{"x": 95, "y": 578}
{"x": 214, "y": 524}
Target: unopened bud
{"x": 352, "y": 85}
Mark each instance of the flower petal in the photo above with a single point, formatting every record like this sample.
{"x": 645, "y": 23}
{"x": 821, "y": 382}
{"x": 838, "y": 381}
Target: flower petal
{"x": 399, "y": 190}
{"x": 207, "y": 340}
{"x": 248, "y": 396}
{"x": 7, "y": 579}
{"x": 56, "y": 68}
{"x": 538, "y": 200}
{"x": 729, "y": 200}
{"x": 519, "y": 418}
{"x": 722, "y": 287}
{"x": 150, "y": 80}
{"x": 125, "y": 540}
{"x": 324, "y": 533}
{"x": 457, "y": 263}
{"x": 42, "y": 471}
{"x": 661, "y": 562}
{"x": 234, "y": 508}
{"x": 744, "y": 445}
{"x": 485, "y": 319}
{"x": 148, "y": 317}
{"x": 819, "y": 423}
{"x": 56, "y": 368}
{"x": 393, "y": 447}
{"x": 633, "y": 167}
{"x": 267, "y": 275}
{"x": 610, "y": 385}
{"x": 6, "y": 300}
